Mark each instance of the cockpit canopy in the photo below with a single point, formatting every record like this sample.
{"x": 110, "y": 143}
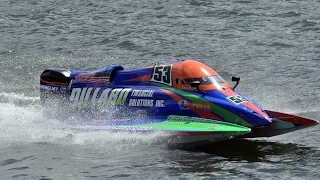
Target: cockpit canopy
{"x": 185, "y": 72}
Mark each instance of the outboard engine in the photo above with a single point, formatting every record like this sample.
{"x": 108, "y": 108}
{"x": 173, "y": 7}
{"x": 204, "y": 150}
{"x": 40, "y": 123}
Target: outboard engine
{"x": 54, "y": 81}
{"x": 59, "y": 75}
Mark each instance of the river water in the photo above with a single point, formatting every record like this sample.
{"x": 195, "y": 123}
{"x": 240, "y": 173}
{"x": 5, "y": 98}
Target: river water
{"x": 274, "y": 46}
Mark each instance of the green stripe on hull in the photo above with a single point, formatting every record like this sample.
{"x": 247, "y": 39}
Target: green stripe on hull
{"x": 192, "y": 124}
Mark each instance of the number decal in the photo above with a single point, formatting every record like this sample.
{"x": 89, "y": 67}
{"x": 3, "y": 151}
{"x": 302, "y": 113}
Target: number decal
{"x": 167, "y": 74}
{"x": 162, "y": 74}
{"x": 157, "y": 75}
{"x": 237, "y": 99}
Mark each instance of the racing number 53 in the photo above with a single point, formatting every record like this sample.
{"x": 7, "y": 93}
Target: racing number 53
{"x": 162, "y": 74}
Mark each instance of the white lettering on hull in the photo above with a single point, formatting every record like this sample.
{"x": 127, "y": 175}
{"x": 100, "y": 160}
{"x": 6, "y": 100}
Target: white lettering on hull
{"x": 159, "y": 103}
{"x": 142, "y": 93}
{"x": 141, "y": 102}
{"x": 118, "y": 95}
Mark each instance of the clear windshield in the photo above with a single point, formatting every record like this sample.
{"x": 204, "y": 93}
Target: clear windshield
{"x": 218, "y": 81}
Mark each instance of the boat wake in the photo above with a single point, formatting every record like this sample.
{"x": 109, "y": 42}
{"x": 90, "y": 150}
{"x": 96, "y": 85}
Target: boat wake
{"x": 24, "y": 120}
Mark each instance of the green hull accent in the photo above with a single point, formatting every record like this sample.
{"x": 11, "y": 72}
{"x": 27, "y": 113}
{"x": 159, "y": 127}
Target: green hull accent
{"x": 192, "y": 124}
{"x": 227, "y": 115}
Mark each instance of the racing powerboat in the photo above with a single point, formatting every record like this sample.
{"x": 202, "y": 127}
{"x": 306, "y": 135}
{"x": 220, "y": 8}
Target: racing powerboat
{"x": 186, "y": 99}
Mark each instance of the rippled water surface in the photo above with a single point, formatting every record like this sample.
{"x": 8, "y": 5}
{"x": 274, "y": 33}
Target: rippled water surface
{"x": 274, "y": 46}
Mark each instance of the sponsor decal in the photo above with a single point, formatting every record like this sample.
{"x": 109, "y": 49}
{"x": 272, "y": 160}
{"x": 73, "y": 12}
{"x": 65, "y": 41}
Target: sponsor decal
{"x": 142, "y": 93}
{"x": 162, "y": 74}
{"x": 146, "y": 103}
{"x": 201, "y": 106}
{"x": 237, "y": 99}
{"x": 52, "y": 89}
{"x": 183, "y": 104}
{"x": 159, "y": 103}
{"x": 49, "y": 88}
{"x": 117, "y": 95}
{"x": 141, "y": 102}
